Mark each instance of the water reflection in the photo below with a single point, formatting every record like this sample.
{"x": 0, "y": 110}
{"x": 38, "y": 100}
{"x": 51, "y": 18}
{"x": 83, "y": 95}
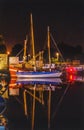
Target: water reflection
{"x": 4, "y": 82}
{"x": 44, "y": 83}
{"x": 48, "y": 93}
{"x": 53, "y": 81}
{"x": 75, "y": 78}
{"x": 3, "y": 122}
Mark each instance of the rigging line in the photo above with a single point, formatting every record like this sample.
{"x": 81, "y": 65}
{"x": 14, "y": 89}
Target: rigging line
{"x": 18, "y": 100}
{"x": 37, "y": 55}
{"x": 56, "y": 46}
{"x": 22, "y": 48}
{"x": 60, "y": 101}
{"x": 19, "y": 52}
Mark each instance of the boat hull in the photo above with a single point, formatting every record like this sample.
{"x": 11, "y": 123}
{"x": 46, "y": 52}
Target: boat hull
{"x": 38, "y": 74}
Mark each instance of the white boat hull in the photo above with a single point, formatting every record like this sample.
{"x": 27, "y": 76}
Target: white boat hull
{"x": 38, "y": 74}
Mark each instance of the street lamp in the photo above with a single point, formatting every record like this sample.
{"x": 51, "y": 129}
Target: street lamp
{"x": 29, "y": 57}
{"x": 57, "y": 56}
{"x": 8, "y": 53}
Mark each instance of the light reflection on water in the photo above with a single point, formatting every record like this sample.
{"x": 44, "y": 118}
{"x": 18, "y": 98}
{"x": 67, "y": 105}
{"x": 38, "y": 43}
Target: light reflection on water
{"x": 75, "y": 78}
{"x": 40, "y": 90}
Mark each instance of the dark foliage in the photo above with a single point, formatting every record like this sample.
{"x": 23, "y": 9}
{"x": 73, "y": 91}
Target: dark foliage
{"x": 3, "y": 48}
{"x": 16, "y": 49}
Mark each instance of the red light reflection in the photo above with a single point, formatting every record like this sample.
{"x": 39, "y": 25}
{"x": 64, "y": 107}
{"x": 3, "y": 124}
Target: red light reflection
{"x": 71, "y": 77}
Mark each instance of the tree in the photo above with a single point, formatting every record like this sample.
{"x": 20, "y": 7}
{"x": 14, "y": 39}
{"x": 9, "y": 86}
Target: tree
{"x": 79, "y": 49}
{"x": 16, "y": 49}
{"x": 2, "y": 41}
{"x": 3, "y": 48}
{"x": 69, "y": 51}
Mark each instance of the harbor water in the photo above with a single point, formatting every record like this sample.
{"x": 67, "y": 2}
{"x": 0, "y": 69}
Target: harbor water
{"x": 44, "y": 104}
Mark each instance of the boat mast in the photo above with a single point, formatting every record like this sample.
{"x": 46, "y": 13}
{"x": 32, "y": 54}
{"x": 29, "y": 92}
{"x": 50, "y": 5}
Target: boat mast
{"x": 32, "y": 39}
{"x": 48, "y": 29}
{"x": 24, "y": 56}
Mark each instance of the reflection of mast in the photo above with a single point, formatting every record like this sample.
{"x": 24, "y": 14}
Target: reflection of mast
{"x": 49, "y": 107}
{"x": 32, "y": 39}
{"x": 49, "y": 45}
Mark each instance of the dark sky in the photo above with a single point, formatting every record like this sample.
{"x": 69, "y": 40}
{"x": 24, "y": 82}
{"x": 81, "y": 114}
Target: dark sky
{"x": 65, "y": 18}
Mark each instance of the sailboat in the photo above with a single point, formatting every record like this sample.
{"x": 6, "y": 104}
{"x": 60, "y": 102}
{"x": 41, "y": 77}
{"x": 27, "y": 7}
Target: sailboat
{"x": 39, "y": 74}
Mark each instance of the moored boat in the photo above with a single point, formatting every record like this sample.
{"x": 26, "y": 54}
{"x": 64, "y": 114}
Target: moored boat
{"x": 43, "y": 74}
{"x": 38, "y": 74}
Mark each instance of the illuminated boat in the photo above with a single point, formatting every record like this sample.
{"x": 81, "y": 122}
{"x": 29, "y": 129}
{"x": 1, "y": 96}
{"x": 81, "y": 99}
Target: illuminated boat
{"x": 37, "y": 74}
{"x": 44, "y": 74}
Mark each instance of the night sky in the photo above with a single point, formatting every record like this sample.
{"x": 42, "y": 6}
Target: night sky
{"x": 65, "y": 18}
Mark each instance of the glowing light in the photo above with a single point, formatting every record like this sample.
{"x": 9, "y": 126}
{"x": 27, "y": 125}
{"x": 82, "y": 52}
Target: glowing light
{"x": 71, "y": 77}
{"x": 57, "y": 55}
{"x": 8, "y": 52}
{"x": 71, "y": 70}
